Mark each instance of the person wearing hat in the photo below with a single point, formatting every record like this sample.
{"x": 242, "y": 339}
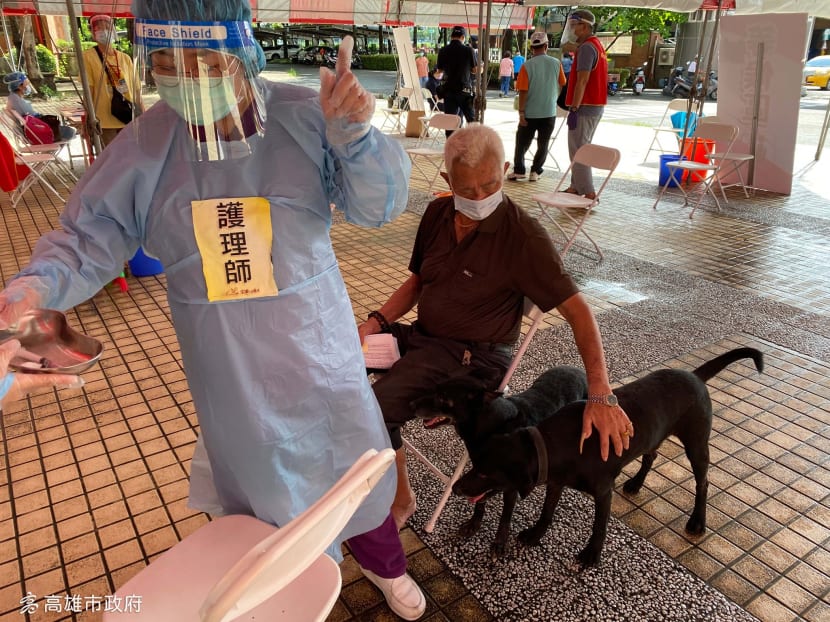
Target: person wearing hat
{"x": 108, "y": 69}
{"x": 587, "y": 94}
{"x": 458, "y": 62}
{"x": 19, "y": 89}
{"x": 538, "y": 85}
{"x": 229, "y": 181}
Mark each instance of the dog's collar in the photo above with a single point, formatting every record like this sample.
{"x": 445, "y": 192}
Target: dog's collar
{"x": 541, "y": 455}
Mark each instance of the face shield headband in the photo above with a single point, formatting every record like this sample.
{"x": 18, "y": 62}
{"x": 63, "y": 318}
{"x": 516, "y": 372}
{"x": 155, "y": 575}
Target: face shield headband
{"x": 568, "y": 34}
{"x": 206, "y": 72}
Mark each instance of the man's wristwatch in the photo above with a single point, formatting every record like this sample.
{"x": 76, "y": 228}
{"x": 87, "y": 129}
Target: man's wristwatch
{"x": 574, "y": 108}
{"x": 605, "y": 400}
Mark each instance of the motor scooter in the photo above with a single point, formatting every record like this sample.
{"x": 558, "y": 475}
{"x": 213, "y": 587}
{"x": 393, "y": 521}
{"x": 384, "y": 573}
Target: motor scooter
{"x": 638, "y": 85}
{"x": 613, "y": 87}
{"x": 711, "y": 87}
{"x": 678, "y": 85}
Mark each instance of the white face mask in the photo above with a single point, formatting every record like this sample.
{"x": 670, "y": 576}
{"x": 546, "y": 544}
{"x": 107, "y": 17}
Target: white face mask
{"x": 478, "y": 210}
{"x": 104, "y": 37}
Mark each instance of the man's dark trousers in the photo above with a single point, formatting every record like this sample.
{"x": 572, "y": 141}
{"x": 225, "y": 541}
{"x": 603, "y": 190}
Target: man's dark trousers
{"x": 524, "y": 137}
{"x": 456, "y": 102}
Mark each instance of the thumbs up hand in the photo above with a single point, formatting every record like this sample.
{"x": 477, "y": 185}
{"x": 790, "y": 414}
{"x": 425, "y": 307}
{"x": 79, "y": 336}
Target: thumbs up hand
{"x": 347, "y": 106}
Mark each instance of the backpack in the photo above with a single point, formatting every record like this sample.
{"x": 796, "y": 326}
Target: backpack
{"x": 38, "y": 132}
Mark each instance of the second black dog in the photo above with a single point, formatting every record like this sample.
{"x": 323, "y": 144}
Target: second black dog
{"x": 663, "y": 403}
{"x": 479, "y": 414}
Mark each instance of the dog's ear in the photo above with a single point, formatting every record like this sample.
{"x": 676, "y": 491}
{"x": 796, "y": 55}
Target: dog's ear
{"x": 489, "y": 396}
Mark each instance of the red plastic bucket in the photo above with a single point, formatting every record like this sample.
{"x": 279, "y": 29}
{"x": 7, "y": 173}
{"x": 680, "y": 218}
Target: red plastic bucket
{"x": 695, "y": 149}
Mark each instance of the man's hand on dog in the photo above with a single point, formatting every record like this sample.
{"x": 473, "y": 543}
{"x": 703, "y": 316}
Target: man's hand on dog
{"x": 611, "y": 423}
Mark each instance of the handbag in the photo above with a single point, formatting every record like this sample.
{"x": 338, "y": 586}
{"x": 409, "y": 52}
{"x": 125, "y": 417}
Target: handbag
{"x": 53, "y": 122}
{"x": 120, "y": 107}
{"x": 37, "y": 131}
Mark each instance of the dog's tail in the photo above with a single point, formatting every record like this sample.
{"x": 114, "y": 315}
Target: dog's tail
{"x": 713, "y": 367}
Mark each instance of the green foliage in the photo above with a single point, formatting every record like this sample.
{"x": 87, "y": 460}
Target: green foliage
{"x": 625, "y": 73}
{"x": 641, "y": 21}
{"x": 384, "y": 62}
{"x": 45, "y": 59}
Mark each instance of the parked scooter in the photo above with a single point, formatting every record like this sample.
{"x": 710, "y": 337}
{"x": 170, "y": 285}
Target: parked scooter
{"x": 331, "y": 60}
{"x": 638, "y": 85}
{"x": 613, "y": 87}
{"x": 678, "y": 84}
{"x": 711, "y": 86}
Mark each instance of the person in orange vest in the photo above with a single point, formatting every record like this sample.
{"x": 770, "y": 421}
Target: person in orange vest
{"x": 587, "y": 94}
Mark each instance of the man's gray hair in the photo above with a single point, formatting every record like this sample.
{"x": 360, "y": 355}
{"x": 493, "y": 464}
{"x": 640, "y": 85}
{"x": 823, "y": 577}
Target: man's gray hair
{"x": 472, "y": 146}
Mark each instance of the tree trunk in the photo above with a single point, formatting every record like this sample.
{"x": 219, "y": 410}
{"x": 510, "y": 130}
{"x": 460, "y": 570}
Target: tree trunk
{"x": 29, "y": 66}
{"x": 507, "y": 40}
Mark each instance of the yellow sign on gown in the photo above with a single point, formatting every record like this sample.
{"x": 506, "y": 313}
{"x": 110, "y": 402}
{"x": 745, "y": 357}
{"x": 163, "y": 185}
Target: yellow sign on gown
{"x": 234, "y": 237}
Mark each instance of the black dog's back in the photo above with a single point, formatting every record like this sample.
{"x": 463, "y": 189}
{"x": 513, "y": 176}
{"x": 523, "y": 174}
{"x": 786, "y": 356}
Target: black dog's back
{"x": 552, "y": 390}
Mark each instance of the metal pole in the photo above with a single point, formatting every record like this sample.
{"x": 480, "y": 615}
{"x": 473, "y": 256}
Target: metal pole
{"x": 91, "y": 119}
{"x": 484, "y": 44}
{"x": 756, "y": 108}
{"x": 823, "y": 134}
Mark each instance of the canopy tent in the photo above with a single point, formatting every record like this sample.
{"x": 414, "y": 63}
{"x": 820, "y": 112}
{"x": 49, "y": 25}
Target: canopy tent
{"x": 429, "y": 13}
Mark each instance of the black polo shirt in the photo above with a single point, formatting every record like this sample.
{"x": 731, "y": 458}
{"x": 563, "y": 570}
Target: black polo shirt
{"x": 456, "y": 60}
{"x": 475, "y": 290}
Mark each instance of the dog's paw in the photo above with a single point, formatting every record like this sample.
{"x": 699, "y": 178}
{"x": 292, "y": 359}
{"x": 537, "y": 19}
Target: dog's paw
{"x": 632, "y": 487}
{"x": 696, "y": 526}
{"x": 588, "y": 557}
{"x": 530, "y": 537}
{"x": 469, "y": 529}
{"x": 498, "y": 550}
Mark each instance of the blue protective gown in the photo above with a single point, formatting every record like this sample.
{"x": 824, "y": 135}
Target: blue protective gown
{"x": 279, "y": 385}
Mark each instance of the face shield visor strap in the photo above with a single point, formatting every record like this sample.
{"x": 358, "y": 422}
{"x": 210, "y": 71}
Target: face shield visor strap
{"x": 206, "y": 72}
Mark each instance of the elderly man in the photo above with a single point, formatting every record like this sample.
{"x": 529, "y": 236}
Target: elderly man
{"x": 477, "y": 255}
{"x": 587, "y": 94}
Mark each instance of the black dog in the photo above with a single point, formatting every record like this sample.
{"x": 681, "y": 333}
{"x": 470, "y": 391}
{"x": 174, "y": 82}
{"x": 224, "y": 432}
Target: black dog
{"x": 663, "y": 403}
{"x": 478, "y": 414}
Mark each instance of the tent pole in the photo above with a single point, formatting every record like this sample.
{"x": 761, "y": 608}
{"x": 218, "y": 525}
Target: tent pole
{"x": 91, "y": 119}
{"x": 823, "y": 135}
{"x": 484, "y": 44}
{"x": 756, "y": 113}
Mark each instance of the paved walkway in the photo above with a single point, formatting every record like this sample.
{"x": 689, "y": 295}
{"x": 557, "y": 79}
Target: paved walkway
{"x": 94, "y": 486}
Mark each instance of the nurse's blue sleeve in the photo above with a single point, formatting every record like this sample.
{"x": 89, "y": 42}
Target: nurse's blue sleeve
{"x": 369, "y": 179}
{"x": 99, "y": 233}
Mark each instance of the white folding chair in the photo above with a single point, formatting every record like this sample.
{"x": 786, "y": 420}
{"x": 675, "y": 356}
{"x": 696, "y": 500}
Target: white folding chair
{"x": 665, "y": 126}
{"x": 428, "y": 156}
{"x": 36, "y": 163}
{"x": 714, "y": 138}
{"x": 393, "y": 115}
{"x": 535, "y": 316}
{"x": 595, "y": 156}
{"x": 13, "y": 124}
{"x": 733, "y": 163}
{"x": 239, "y": 566}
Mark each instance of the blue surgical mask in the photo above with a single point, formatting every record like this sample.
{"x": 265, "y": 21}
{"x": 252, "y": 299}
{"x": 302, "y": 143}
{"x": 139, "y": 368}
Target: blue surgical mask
{"x": 478, "y": 210}
{"x": 28, "y": 90}
{"x": 199, "y": 101}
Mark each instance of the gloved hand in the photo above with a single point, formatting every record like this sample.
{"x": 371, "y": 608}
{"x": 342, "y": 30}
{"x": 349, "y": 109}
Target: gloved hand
{"x": 572, "y": 119}
{"x": 347, "y": 106}
{"x": 22, "y": 295}
{"x": 14, "y": 386}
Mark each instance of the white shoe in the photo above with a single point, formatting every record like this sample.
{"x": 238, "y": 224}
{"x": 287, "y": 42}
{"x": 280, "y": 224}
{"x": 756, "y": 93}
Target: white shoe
{"x": 402, "y": 594}
{"x": 515, "y": 176}
{"x": 534, "y": 176}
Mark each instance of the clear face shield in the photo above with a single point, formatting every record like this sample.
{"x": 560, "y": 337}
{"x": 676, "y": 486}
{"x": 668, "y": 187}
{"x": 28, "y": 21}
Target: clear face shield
{"x": 206, "y": 72}
{"x": 569, "y": 34}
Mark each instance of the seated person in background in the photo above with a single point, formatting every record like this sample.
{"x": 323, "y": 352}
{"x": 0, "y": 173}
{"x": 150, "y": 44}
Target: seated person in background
{"x": 477, "y": 255}
{"x": 20, "y": 88}
{"x": 433, "y": 80}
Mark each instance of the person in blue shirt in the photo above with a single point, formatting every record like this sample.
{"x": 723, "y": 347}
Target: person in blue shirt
{"x": 518, "y": 61}
{"x": 19, "y": 89}
{"x": 230, "y": 184}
